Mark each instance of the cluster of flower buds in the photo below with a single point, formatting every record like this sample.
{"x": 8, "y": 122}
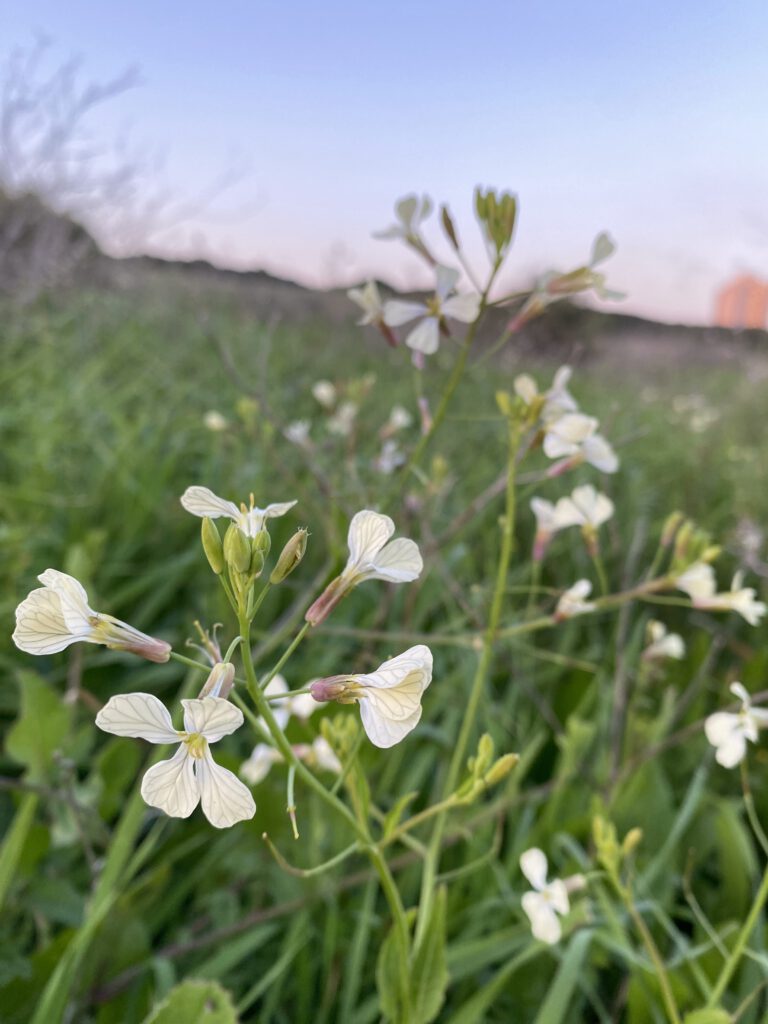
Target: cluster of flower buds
{"x": 485, "y": 770}
{"x": 497, "y": 213}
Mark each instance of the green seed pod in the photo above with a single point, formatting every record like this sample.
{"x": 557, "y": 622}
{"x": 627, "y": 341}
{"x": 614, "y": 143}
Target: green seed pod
{"x": 237, "y": 550}
{"x": 290, "y": 556}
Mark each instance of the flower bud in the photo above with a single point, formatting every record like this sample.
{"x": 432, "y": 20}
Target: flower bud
{"x": 220, "y": 681}
{"x": 672, "y": 524}
{"x": 501, "y": 768}
{"x": 448, "y": 227}
{"x": 237, "y": 550}
{"x": 320, "y": 609}
{"x": 262, "y": 542}
{"x": 631, "y": 841}
{"x": 290, "y": 556}
{"x": 332, "y": 688}
{"x": 257, "y": 563}
{"x": 212, "y": 546}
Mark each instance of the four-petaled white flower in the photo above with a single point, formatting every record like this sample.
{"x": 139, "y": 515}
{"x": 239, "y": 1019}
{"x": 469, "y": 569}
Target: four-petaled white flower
{"x": 300, "y": 706}
{"x": 201, "y": 501}
{"x": 586, "y": 507}
{"x": 389, "y": 698}
{"x": 556, "y": 401}
{"x": 574, "y": 601}
{"x": 389, "y": 458}
{"x": 698, "y": 581}
{"x": 57, "y": 614}
{"x": 318, "y": 755}
{"x": 729, "y": 732}
{"x": 343, "y": 420}
{"x": 425, "y": 336}
{"x": 663, "y": 644}
{"x": 410, "y": 212}
{"x": 550, "y": 519}
{"x": 191, "y": 776}
{"x": 546, "y": 901}
{"x": 574, "y": 436}
{"x": 325, "y": 393}
{"x": 372, "y": 556}
{"x": 369, "y": 300}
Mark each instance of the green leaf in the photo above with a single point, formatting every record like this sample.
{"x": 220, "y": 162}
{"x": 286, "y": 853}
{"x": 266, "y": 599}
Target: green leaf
{"x": 41, "y": 727}
{"x": 195, "y": 1002}
{"x": 393, "y": 817}
{"x": 559, "y": 1005}
{"x": 707, "y": 1017}
{"x": 388, "y": 978}
{"x": 14, "y": 840}
{"x": 429, "y": 972}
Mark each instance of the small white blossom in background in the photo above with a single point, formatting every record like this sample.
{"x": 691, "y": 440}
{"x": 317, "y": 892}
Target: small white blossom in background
{"x": 201, "y": 501}
{"x": 369, "y": 300}
{"x": 324, "y": 392}
{"x": 698, "y": 581}
{"x": 550, "y": 519}
{"x": 257, "y": 767}
{"x": 556, "y": 401}
{"x": 58, "y": 614}
{"x": 191, "y": 776}
{"x": 298, "y": 433}
{"x": 410, "y": 212}
{"x": 729, "y": 732}
{"x": 215, "y": 421}
{"x": 573, "y": 437}
{"x": 389, "y": 458}
{"x": 399, "y": 419}
{"x": 586, "y": 507}
{"x": 342, "y": 422}
{"x": 389, "y": 698}
{"x": 425, "y": 336}
{"x": 574, "y": 601}
{"x": 300, "y": 706}
{"x": 548, "y": 901}
{"x": 663, "y": 644}
{"x": 372, "y": 556}
{"x": 317, "y": 755}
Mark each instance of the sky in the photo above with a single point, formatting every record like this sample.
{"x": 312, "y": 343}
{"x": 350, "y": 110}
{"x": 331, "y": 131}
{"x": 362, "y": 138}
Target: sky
{"x": 279, "y": 134}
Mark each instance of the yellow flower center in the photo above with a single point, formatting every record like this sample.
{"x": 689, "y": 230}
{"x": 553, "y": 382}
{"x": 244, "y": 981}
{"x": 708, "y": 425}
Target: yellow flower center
{"x": 197, "y": 744}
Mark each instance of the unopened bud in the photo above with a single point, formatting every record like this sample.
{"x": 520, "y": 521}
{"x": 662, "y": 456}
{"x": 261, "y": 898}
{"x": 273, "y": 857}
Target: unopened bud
{"x": 501, "y": 769}
{"x": 504, "y": 403}
{"x": 331, "y": 688}
{"x": 257, "y": 563}
{"x": 479, "y": 764}
{"x": 448, "y": 227}
{"x": 237, "y": 550}
{"x": 683, "y": 540}
{"x": 290, "y": 556}
{"x": 320, "y": 609}
{"x": 262, "y": 542}
{"x": 709, "y": 554}
{"x": 632, "y": 840}
{"x": 672, "y": 524}
{"x": 212, "y": 546}
{"x": 220, "y": 681}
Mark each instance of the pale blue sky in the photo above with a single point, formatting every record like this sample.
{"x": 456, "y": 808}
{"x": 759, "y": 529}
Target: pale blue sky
{"x": 648, "y": 120}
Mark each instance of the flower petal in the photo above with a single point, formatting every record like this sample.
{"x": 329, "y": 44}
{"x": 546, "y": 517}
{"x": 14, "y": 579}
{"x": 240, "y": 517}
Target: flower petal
{"x": 396, "y": 312}
{"x": 278, "y": 508}
{"x": 533, "y": 864}
{"x": 40, "y": 625}
{"x": 698, "y": 581}
{"x": 445, "y": 280}
{"x": 545, "y": 923}
{"x": 399, "y": 561}
{"x": 224, "y": 799}
{"x": 201, "y": 501}
{"x": 212, "y": 717}
{"x": 140, "y": 715}
{"x": 725, "y": 732}
{"x": 558, "y": 895}
{"x": 425, "y": 337}
{"x": 462, "y": 307}
{"x": 384, "y": 732}
{"x": 368, "y": 533}
{"x": 73, "y": 598}
{"x": 171, "y": 785}
{"x": 280, "y": 709}
{"x": 599, "y": 453}
{"x": 258, "y": 765}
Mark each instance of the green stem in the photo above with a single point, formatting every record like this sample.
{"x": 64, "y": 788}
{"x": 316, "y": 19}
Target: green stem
{"x": 429, "y": 875}
{"x": 733, "y": 960}
{"x": 653, "y": 952}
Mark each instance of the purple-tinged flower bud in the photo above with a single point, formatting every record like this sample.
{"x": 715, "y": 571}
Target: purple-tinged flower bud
{"x": 220, "y": 681}
{"x": 331, "y": 688}
{"x": 320, "y": 609}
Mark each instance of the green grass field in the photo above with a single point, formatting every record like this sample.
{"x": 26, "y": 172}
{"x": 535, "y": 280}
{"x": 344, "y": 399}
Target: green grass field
{"x": 102, "y": 428}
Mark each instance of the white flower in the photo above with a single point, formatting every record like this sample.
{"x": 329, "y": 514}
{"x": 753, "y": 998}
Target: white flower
{"x": 546, "y": 901}
{"x": 698, "y": 581}
{"x": 586, "y": 507}
{"x": 399, "y": 419}
{"x": 298, "y": 433}
{"x": 556, "y": 401}
{"x": 201, "y": 501}
{"x": 663, "y": 644}
{"x": 410, "y": 212}
{"x": 389, "y": 458}
{"x": 258, "y": 765}
{"x": 191, "y": 776}
{"x": 58, "y": 614}
{"x": 369, "y": 300}
{"x": 729, "y": 733}
{"x": 425, "y": 337}
{"x": 575, "y": 436}
{"x": 343, "y": 420}
{"x": 215, "y": 421}
{"x": 573, "y": 601}
{"x": 318, "y": 755}
{"x": 301, "y": 706}
{"x": 325, "y": 393}
{"x": 550, "y": 519}
{"x": 372, "y": 556}
{"x": 389, "y": 698}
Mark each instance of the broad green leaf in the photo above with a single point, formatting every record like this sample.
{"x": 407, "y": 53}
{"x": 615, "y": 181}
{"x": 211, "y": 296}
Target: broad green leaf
{"x": 429, "y": 973}
{"x": 388, "y": 981}
{"x": 195, "y": 1002}
{"x": 14, "y": 840}
{"x": 41, "y": 727}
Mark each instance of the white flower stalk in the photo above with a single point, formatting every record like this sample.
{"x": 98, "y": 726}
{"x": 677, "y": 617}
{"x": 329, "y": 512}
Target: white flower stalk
{"x": 549, "y": 521}
{"x": 728, "y": 733}
{"x": 573, "y": 438}
{"x": 574, "y": 601}
{"x": 300, "y": 706}
{"x": 56, "y": 615}
{"x": 663, "y": 644}
{"x": 214, "y": 421}
{"x": 317, "y": 755}
{"x": 342, "y": 423}
{"x": 389, "y": 698}
{"x": 325, "y": 393}
{"x": 372, "y": 556}
{"x": 547, "y": 902}
{"x": 201, "y": 501}
{"x": 698, "y": 581}
{"x": 432, "y": 314}
{"x": 191, "y": 776}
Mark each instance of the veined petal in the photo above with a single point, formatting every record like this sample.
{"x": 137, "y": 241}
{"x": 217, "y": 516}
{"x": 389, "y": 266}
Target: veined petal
{"x": 545, "y": 923}
{"x": 368, "y": 533}
{"x": 385, "y": 732}
{"x": 74, "y": 600}
{"x": 277, "y": 508}
{"x": 462, "y": 307}
{"x": 302, "y": 706}
{"x": 399, "y": 561}
{"x": 171, "y": 785}
{"x": 40, "y": 625}
{"x": 410, "y": 670}
{"x": 212, "y": 717}
{"x": 201, "y": 501}
{"x": 398, "y": 312}
{"x": 224, "y": 799}
{"x": 533, "y": 864}
{"x": 425, "y": 337}
{"x": 445, "y": 280}
{"x": 140, "y": 715}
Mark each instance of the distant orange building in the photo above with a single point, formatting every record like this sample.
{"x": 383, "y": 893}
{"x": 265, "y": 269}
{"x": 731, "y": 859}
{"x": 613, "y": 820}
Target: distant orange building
{"x": 743, "y": 303}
